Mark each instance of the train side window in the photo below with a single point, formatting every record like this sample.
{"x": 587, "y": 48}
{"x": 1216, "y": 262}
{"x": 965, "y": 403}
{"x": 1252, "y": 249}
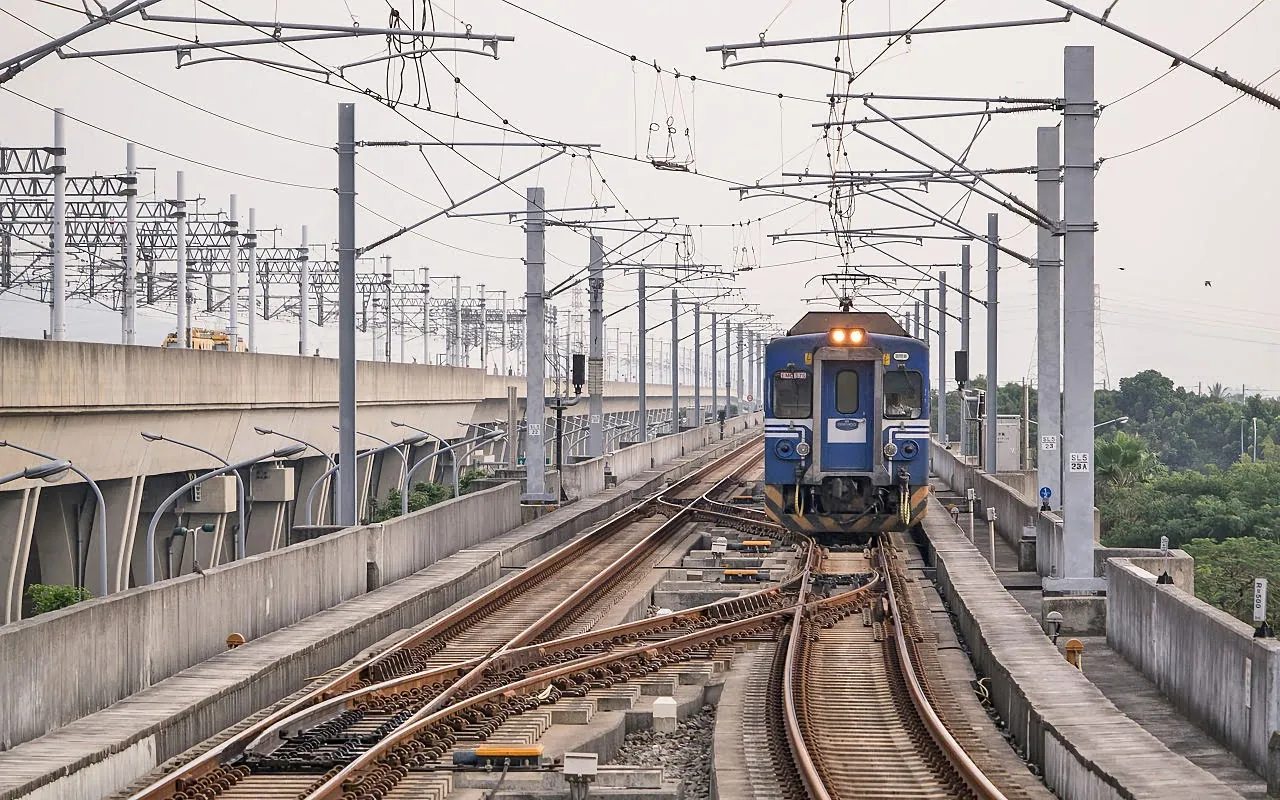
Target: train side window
{"x": 903, "y": 394}
{"x": 846, "y": 391}
{"x": 792, "y": 394}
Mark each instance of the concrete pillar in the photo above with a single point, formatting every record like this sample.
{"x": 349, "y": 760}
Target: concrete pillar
{"x": 54, "y": 535}
{"x": 123, "y": 498}
{"x": 1049, "y": 315}
{"x": 268, "y": 526}
{"x": 17, "y": 517}
{"x": 309, "y": 471}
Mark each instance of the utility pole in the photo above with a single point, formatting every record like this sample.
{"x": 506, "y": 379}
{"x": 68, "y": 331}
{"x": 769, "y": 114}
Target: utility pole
{"x": 942, "y": 357}
{"x": 535, "y": 334}
{"x": 1078, "y": 313}
{"x": 993, "y": 386}
{"x": 915, "y": 320}
{"x": 927, "y": 326}
{"x": 697, "y": 366}
{"x": 728, "y": 365}
{"x": 347, "y": 508}
{"x": 644, "y": 360}
{"x": 1049, "y": 317}
{"x": 484, "y": 333}
{"x": 715, "y": 354}
{"x": 595, "y": 355}
{"x": 426, "y": 324}
{"x": 130, "y": 246}
{"x": 675, "y": 362}
{"x": 182, "y": 334}
{"x": 741, "y": 347}
{"x": 58, "y": 316}
{"x": 390, "y": 315}
{"x": 504, "y": 331}
{"x": 965, "y": 282}
{"x": 459, "y": 358}
{"x": 1026, "y": 425}
{"x": 304, "y": 291}
{"x": 233, "y": 276}
{"x": 251, "y": 245}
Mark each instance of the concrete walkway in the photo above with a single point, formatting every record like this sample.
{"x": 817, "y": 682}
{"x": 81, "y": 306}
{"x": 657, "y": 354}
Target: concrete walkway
{"x": 1127, "y": 688}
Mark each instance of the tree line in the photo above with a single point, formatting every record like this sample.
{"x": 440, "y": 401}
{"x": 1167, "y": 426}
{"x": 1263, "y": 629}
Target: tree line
{"x": 1186, "y": 465}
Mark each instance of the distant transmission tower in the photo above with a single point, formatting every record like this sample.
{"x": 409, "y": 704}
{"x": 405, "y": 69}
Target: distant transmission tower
{"x": 1101, "y": 374}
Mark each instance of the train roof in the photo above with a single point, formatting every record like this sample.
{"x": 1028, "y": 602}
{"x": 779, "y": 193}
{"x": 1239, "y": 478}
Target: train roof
{"x": 869, "y": 321}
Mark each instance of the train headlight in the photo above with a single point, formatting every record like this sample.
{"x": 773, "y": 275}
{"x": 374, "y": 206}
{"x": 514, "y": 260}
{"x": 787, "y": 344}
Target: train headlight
{"x": 843, "y": 336}
{"x": 802, "y": 448}
{"x": 890, "y": 450}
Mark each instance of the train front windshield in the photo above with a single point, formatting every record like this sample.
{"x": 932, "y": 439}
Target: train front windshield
{"x": 903, "y": 395}
{"x": 792, "y": 394}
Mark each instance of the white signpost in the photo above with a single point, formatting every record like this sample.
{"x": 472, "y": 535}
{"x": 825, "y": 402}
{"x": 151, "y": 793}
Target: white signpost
{"x": 1259, "y": 600}
{"x": 1260, "y": 608}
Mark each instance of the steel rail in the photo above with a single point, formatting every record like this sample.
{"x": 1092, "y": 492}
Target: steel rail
{"x": 359, "y": 676}
{"x": 805, "y": 766}
{"x": 335, "y": 786}
{"x": 969, "y": 771}
{"x": 588, "y": 592}
{"x": 595, "y": 642}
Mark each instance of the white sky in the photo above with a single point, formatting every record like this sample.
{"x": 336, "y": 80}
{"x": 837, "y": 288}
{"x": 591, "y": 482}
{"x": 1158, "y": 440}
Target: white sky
{"x": 1190, "y": 209}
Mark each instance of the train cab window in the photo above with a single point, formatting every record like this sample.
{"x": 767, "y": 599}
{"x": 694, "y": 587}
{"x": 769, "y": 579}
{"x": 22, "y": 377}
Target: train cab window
{"x": 846, "y": 391}
{"x": 792, "y": 394}
{"x": 903, "y": 394}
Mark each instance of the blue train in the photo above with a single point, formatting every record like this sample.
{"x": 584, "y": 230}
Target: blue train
{"x": 847, "y": 426}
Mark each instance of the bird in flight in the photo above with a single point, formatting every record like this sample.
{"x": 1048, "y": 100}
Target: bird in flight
{"x": 1209, "y": 284}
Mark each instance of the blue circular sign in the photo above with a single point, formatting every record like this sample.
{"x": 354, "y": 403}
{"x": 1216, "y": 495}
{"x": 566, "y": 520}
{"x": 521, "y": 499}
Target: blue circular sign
{"x": 1045, "y": 493}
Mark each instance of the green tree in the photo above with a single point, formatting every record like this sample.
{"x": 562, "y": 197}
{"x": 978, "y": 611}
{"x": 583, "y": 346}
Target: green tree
{"x": 1225, "y": 571}
{"x": 1123, "y": 461}
{"x": 45, "y": 597}
{"x": 1240, "y": 501}
{"x": 470, "y": 476}
{"x": 420, "y": 496}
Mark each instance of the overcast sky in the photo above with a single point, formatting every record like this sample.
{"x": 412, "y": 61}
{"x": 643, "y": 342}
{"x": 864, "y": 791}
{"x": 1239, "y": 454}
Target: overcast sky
{"x": 1198, "y": 207}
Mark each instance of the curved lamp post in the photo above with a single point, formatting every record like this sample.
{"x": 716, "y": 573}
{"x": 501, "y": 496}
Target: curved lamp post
{"x": 412, "y": 440}
{"x": 102, "y": 512}
{"x": 46, "y": 470}
{"x": 283, "y": 452}
{"x": 404, "y": 459}
{"x": 270, "y": 432}
{"x": 321, "y": 451}
{"x": 240, "y": 510}
{"x": 404, "y": 494}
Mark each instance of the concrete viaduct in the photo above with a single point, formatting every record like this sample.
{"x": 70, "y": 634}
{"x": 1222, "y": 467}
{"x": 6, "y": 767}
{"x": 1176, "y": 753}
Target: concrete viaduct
{"x": 88, "y": 403}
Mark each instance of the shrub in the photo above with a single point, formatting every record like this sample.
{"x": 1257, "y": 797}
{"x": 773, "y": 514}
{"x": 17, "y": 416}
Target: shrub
{"x": 51, "y": 598}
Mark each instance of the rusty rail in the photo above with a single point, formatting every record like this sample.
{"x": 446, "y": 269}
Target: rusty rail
{"x": 351, "y": 682}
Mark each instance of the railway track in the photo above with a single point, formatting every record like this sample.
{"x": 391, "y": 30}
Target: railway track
{"x": 857, "y": 699}
{"x": 477, "y": 648}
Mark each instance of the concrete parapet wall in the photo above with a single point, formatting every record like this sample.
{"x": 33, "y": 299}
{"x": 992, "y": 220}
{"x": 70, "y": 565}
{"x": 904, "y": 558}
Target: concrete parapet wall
{"x": 637, "y": 458}
{"x": 1203, "y": 659}
{"x": 584, "y": 478}
{"x": 1086, "y": 748}
{"x": 99, "y": 754}
{"x": 58, "y": 667}
{"x": 1014, "y": 511}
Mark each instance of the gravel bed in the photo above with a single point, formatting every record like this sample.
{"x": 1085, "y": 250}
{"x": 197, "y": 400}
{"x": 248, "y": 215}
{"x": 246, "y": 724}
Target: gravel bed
{"x": 684, "y": 754}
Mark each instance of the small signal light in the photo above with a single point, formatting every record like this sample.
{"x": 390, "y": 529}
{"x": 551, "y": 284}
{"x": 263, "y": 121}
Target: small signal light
{"x": 838, "y": 335}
